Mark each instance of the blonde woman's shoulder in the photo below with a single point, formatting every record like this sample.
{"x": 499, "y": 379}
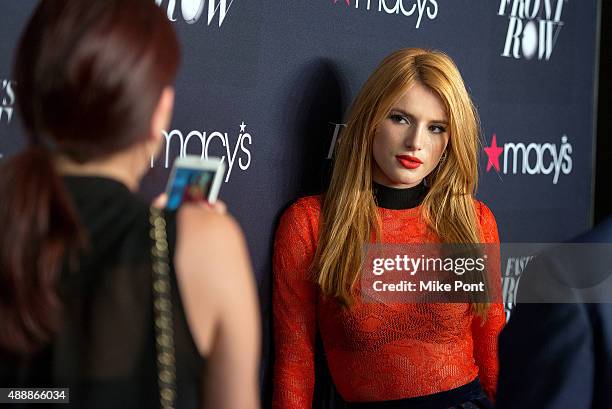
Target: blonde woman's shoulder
{"x": 298, "y": 227}
{"x": 304, "y": 212}
{"x": 310, "y": 204}
{"x": 487, "y": 222}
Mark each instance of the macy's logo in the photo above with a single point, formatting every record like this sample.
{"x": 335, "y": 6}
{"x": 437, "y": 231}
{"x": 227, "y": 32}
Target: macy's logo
{"x": 533, "y": 158}
{"x": 214, "y": 143}
{"x": 406, "y": 8}
{"x": 192, "y": 10}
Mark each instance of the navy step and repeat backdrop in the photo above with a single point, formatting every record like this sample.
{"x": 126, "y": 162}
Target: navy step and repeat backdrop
{"x": 266, "y": 85}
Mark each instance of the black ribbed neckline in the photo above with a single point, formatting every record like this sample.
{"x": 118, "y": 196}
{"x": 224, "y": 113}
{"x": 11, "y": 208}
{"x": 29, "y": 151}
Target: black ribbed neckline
{"x": 399, "y": 199}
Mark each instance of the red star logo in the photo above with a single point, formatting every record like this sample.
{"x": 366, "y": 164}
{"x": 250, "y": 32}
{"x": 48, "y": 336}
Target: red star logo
{"x": 348, "y": 2}
{"x": 493, "y": 153}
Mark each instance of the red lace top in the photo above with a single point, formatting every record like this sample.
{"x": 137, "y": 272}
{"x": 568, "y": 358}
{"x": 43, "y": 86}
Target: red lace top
{"x": 375, "y": 352}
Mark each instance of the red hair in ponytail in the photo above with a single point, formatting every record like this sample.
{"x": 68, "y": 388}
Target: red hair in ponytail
{"x": 89, "y": 75}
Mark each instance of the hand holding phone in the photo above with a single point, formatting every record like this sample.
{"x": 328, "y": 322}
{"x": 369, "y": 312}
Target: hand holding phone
{"x": 194, "y": 180}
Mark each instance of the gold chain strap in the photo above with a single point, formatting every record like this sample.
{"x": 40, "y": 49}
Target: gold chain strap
{"x": 162, "y": 308}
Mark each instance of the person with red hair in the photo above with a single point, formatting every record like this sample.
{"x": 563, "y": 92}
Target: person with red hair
{"x": 122, "y": 303}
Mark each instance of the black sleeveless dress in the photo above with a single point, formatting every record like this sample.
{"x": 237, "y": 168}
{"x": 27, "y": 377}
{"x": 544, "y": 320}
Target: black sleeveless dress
{"x": 105, "y": 349}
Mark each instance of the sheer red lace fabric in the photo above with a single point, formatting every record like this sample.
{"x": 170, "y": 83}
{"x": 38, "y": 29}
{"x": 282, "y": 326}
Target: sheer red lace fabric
{"x": 375, "y": 352}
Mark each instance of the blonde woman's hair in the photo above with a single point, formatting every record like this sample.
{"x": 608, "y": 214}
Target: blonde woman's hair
{"x": 349, "y": 214}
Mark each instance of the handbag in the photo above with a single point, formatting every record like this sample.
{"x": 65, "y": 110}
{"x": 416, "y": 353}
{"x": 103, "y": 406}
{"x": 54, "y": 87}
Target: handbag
{"x": 162, "y": 311}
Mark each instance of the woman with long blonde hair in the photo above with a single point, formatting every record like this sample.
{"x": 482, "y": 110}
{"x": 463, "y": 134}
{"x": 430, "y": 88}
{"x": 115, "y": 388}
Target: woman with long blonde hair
{"x": 405, "y": 171}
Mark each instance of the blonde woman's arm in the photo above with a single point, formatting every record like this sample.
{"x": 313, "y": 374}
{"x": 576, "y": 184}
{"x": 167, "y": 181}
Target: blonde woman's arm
{"x": 294, "y": 300}
{"x": 485, "y": 332}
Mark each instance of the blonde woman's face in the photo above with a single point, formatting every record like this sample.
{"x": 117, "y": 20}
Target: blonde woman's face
{"x": 409, "y": 142}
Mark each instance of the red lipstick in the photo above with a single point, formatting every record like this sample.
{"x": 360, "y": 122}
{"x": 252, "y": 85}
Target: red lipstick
{"x": 408, "y": 161}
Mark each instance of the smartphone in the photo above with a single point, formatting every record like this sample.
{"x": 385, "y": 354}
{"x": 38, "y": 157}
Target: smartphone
{"x": 194, "y": 180}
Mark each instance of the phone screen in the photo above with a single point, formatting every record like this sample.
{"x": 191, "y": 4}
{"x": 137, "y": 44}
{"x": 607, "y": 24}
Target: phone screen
{"x": 189, "y": 185}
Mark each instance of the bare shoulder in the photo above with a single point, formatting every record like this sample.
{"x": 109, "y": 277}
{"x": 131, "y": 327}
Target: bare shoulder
{"x": 197, "y": 223}
{"x": 210, "y": 249}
